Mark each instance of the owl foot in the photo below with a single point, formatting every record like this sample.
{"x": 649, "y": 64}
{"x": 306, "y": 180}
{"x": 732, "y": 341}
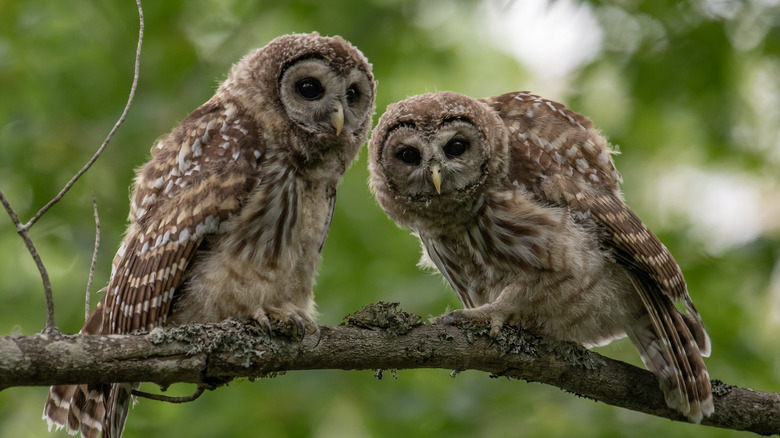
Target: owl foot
{"x": 293, "y": 316}
{"x": 304, "y": 328}
{"x": 298, "y": 322}
{"x": 488, "y": 312}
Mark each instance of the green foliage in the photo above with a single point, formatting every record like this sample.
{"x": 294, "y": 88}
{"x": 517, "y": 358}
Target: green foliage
{"x": 680, "y": 88}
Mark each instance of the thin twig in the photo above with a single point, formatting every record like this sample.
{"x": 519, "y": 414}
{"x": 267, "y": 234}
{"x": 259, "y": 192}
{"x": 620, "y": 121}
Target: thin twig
{"x": 94, "y": 258}
{"x": 22, "y": 229}
{"x": 110, "y": 134}
{"x": 165, "y": 398}
{"x": 11, "y": 212}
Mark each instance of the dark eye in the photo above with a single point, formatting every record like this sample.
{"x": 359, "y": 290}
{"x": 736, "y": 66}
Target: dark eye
{"x": 409, "y": 155}
{"x": 353, "y": 95}
{"x": 456, "y": 147}
{"x": 309, "y": 88}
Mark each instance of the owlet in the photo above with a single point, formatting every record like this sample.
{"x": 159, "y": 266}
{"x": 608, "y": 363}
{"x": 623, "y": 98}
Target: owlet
{"x": 516, "y": 202}
{"x": 229, "y": 217}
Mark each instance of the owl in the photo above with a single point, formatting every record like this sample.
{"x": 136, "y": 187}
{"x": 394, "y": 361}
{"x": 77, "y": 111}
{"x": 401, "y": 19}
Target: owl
{"x": 515, "y": 200}
{"x": 229, "y": 217}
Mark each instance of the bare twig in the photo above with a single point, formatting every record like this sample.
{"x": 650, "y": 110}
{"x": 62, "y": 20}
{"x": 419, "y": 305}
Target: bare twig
{"x": 110, "y": 134}
{"x": 23, "y": 229}
{"x": 11, "y": 212}
{"x": 94, "y": 259}
{"x": 168, "y": 399}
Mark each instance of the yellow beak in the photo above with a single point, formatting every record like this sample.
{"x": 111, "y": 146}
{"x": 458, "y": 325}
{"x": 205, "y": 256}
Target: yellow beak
{"x": 436, "y": 177}
{"x": 337, "y": 118}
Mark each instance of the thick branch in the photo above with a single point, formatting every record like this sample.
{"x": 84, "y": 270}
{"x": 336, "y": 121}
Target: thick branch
{"x": 375, "y": 340}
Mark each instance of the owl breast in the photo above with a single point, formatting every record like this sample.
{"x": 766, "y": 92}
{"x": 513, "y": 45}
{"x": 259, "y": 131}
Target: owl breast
{"x": 271, "y": 256}
{"x": 559, "y": 279}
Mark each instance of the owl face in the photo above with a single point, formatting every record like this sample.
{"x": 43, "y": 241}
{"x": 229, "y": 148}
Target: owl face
{"x": 431, "y": 156}
{"x": 314, "y": 94}
{"x": 445, "y": 160}
{"x": 321, "y": 100}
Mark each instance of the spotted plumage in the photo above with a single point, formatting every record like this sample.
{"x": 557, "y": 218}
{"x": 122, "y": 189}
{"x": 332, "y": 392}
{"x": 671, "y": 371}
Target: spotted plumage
{"x": 230, "y": 215}
{"x": 515, "y": 200}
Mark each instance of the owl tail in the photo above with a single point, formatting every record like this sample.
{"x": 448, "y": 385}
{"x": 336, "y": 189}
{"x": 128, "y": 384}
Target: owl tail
{"x": 671, "y": 345}
{"x": 93, "y": 409}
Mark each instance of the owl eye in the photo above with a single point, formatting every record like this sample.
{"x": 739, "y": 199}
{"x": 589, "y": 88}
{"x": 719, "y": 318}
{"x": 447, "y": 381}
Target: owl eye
{"x": 456, "y": 147}
{"x": 353, "y": 94}
{"x": 309, "y": 88}
{"x": 409, "y": 155}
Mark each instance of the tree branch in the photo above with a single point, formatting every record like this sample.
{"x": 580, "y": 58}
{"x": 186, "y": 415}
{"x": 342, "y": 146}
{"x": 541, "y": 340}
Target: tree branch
{"x": 377, "y": 337}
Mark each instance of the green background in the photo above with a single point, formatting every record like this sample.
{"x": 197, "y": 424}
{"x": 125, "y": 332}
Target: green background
{"x": 689, "y": 92}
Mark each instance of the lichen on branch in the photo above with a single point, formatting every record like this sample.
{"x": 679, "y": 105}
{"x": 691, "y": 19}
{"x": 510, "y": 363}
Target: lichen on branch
{"x": 379, "y": 336}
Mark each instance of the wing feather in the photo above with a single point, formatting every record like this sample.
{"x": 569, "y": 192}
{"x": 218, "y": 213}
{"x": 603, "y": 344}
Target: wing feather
{"x": 557, "y": 155}
{"x": 331, "y": 211}
{"x": 198, "y": 179}
{"x": 449, "y": 269}
{"x": 634, "y": 244}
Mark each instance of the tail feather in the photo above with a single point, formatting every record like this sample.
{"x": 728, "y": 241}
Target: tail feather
{"x": 685, "y": 361}
{"x": 657, "y": 358}
{"x": 69, "y": 407}
{"x": 93, "y": 415}
{"x": 696, "y": 326}
{"x": 58, "y": 408}
{"x": 94, "y": 409}
{"x": 671, "y": 345}
{"x": 119, "y": 399}
{"x": 91, "y": 410}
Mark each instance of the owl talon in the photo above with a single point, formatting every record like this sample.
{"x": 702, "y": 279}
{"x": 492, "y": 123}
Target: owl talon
{"x": 495, "y": 328}
{"x": 299, "y": 324}
{"x": 263, "y": 319}
{"x": 291, "y": 316}
{"x": 318, "y": 332}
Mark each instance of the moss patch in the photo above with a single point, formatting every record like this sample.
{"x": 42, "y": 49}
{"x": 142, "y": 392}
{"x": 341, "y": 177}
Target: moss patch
{"x": 384, "y": 316}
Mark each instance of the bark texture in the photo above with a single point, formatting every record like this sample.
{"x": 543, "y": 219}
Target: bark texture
{"x": 378, "y": 336}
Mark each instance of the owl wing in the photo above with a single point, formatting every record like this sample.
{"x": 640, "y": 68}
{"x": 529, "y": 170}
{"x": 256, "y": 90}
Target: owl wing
{"x": 649, "y": 262}
{"x": 557, "y": 154}
{"x": 331, "y": 198}
{"x": 198, "y": 178}
{"x": 436, "y": 256}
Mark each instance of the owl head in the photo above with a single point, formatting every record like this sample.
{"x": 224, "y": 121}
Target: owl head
{"x": 308, "y": 91}
{"x": 432, "y": 156}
